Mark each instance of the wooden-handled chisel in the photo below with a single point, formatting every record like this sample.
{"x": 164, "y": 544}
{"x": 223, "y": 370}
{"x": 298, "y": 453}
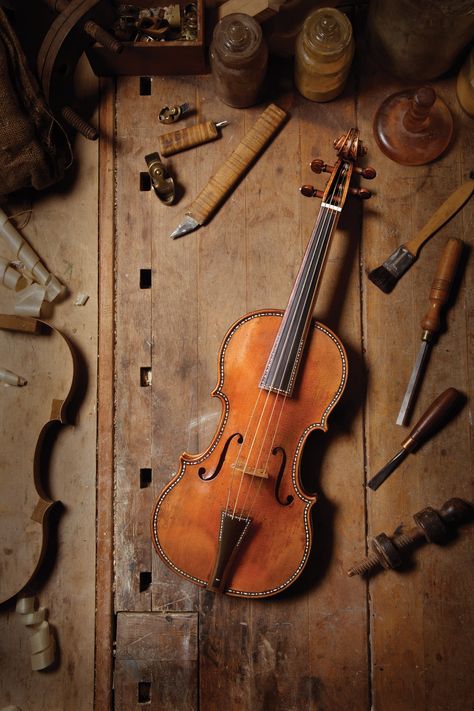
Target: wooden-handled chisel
{"x": 438, "y": 412}
{"x": 229, "y": 174}
{"x": 431, "y": 323}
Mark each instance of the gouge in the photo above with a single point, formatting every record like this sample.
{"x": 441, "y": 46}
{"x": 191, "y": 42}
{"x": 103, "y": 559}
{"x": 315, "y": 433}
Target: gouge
{"x": 431, "y": 323}
{"x": 438, "y": 412}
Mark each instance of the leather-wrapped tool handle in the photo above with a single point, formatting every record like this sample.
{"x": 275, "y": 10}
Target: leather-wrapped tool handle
{"x": 236, "y": 165}
{"x": 442, "y": 283}
{"x": 439, "y": 411}
{"x": 177, "y": 141}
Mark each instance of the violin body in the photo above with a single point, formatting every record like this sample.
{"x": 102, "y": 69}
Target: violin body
{"x": 250, "y": 471}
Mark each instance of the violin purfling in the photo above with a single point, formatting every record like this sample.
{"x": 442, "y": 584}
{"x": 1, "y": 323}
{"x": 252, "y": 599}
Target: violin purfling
{"x": 235, "y": 518}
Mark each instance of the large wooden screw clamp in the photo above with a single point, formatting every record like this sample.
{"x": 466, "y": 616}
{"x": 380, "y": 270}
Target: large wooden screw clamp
{"x": 78, "y": 24}
{"x": 431, "y": 526}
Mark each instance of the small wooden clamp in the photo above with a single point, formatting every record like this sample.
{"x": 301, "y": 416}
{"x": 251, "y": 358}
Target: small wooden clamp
{"x": 177, "y": 141}
{"x": 163, "y": 183}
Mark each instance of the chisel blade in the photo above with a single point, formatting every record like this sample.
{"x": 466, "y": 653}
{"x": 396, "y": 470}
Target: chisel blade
{"x": 413, "y": 383}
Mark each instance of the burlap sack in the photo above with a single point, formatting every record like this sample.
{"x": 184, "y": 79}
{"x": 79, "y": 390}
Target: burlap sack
{"x": 34, "y": 150}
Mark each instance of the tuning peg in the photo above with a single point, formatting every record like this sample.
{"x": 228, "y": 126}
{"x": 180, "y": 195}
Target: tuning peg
{"x": 361, "y": 193}
{"x": 367, "y": 173}
{"x": 319, "y": 166}
{"x": 310, "y": 191}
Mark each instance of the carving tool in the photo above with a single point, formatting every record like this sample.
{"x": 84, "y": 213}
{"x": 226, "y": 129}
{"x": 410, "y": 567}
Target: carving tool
{"x": 177, "y": 141}
{"x": 431, "y": 323}
{"x": 232, "y": 171}
{"x": 387, "y": 275}
{"x": 162, "y": 182}
{"x": 435, "y": 415}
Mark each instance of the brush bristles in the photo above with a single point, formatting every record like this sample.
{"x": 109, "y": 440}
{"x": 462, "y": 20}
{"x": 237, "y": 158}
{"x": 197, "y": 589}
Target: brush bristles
{"x": 382, "y": 278}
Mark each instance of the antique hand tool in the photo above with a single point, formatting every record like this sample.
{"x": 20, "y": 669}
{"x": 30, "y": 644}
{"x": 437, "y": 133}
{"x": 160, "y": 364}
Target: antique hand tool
{"x": 163, "y": 183}
{"x": 431, "y": 323}
{"x": 228, "y": 175}
{"x": 177, "y": 141}
{"x": 431, "y": 527}
{"x": 439, "y": 411}
{"x": 387, "y": 275}
{"x": 235, "y": 518}
{"x": 170, "y": 114}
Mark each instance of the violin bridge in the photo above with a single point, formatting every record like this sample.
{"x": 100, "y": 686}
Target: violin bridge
{"x": 241, "y": 466}
{"x": 231, "y": 533}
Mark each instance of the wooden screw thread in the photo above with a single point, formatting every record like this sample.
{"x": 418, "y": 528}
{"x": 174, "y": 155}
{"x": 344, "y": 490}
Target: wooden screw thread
{"x": 177, "y": 141}
{"x": 441, "y": 285}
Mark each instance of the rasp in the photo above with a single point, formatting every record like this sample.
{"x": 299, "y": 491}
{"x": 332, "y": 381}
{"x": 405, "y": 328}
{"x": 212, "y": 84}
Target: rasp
{"x": 228, "y": 175}
{"x": 431, "y": 323}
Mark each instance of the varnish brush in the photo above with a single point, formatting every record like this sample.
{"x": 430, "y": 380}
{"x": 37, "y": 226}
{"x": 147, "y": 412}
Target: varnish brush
{"x": 387, "y": 275}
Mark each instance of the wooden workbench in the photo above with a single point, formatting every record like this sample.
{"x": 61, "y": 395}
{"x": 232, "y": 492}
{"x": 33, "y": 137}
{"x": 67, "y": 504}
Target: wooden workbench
{"x": 401, "y": 641}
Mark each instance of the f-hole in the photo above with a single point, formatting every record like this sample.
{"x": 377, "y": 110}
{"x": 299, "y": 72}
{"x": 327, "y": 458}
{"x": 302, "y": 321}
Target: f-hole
{"x": 289, "y": 498}
{"x": 212, "y": 473}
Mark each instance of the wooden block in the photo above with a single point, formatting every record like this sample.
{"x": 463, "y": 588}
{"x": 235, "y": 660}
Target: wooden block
{"x": 261, "y": 10}
{"x": 156, "y": 661}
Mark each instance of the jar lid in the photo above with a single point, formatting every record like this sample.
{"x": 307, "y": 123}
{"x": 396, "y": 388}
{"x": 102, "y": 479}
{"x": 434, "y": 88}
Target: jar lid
{"x": 237, "y": 37}
{"x": 328, "y": 30}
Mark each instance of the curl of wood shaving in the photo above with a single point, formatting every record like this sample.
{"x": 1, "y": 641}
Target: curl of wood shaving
{"x": 42, "y": 642}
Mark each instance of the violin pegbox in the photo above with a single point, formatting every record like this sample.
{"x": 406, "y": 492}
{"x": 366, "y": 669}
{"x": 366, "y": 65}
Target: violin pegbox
{"x": 349, "y": 147}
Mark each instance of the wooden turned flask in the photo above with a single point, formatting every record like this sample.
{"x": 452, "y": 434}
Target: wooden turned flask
{"x": 413, "y": 127}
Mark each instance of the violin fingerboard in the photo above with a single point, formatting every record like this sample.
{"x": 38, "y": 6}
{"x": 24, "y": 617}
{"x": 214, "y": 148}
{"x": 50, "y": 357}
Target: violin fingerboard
{"x": 236, "y": 165}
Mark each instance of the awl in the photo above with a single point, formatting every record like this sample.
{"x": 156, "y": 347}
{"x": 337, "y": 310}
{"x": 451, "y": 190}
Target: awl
{"x": 438, "y": 412}
{"x": 431, "y": 323}
{"x": 228, "y": 175}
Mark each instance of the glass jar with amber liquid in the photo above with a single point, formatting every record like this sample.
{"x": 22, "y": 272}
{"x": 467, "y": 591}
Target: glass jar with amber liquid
{"x": 238, "y": 57}
{"x": 323, "y": 56}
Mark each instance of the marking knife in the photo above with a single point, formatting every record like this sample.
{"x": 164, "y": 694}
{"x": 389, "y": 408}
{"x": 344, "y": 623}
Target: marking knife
{"x": 228, "y": 175}
{"x": 431, "y": 323}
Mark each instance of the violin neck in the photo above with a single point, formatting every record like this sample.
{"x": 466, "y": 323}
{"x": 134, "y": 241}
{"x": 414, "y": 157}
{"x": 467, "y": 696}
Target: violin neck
{"x": 282, "y": 366}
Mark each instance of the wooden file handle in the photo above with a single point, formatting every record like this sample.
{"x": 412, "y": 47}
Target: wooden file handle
{"x": 238, "y": 162}
{"x": 438, "y": 411}
{"x": 442, "y": 284}
{"x": 177, "y": 141}
{"x": 450, "y": 206}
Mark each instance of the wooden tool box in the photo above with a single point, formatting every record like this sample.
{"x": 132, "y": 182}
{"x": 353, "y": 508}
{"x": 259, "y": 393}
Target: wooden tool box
{"x": 154, "y": 58}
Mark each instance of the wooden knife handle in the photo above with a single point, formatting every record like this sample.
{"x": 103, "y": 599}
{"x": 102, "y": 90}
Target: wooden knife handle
{"x": 438, "y": 411}
{"x": 449, "y": 207}
{"x": 238, "y": 162}
{"x": 177, "y": 141}
{"x": 442, "y": 283}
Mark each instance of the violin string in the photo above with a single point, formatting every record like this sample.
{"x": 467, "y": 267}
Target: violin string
{"x": 321, "y": 224}
{"x": 318, "y": 251}
{"x": 309, "y": 258}
{"x": 275, "y": 401}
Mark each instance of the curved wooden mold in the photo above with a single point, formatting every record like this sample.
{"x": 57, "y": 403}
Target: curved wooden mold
{"x": 43, "y": 356}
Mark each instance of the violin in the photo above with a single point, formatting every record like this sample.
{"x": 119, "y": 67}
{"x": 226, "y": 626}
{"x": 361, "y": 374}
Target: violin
{"x": 235, "y": 518}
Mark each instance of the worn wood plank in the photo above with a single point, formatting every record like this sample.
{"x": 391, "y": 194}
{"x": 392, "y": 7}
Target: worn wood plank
{"x": 156, "y": 661}
{"x": 105, "y": 399}
{"x": 420, "y": 619}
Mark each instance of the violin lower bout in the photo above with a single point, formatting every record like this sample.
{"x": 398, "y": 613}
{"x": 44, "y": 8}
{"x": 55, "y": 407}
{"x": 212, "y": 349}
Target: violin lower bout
{"x": 192, "y": 518}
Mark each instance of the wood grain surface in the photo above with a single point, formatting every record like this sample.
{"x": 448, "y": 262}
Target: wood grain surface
{"x": 329, "y": 642}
